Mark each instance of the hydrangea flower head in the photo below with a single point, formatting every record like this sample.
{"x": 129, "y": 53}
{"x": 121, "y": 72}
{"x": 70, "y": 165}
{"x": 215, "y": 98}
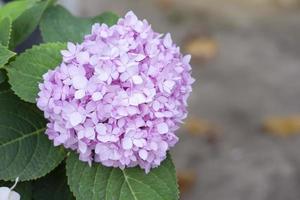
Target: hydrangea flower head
{"x": 118, "y": 97}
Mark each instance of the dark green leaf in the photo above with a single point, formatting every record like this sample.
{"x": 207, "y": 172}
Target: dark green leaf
{"x": 25, "y": 24}
{"x": 23, "y": 188}
{"x": 25, "y": 150}
{"x": 53, "y": 186}
{"x": 59, "y": 25}
{"x": 2, "y": 76}
{"x": 99, "y": 182}
{"x": 5, "y": 30}
{"x": 27, "y": 70}
{"x": 5, "y": 55}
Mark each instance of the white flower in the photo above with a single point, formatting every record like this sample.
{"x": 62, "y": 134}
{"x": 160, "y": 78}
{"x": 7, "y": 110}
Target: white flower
{"x": 8, "y": 193}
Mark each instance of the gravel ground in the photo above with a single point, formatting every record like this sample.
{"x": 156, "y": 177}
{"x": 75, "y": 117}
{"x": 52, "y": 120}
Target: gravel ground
{"x": 255, "y": 75}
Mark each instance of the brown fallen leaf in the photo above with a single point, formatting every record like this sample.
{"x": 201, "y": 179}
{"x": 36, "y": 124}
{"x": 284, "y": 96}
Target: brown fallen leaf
{"x": 203, "y": 48}
{"x": 186, "y": 180}
{"x": 282, "y": 126}
{"x": 201, "y": 127}
{"x": 197, "y": 126}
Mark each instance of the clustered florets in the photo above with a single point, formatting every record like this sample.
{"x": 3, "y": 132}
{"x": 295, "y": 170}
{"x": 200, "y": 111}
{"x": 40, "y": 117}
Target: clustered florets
{"x": 118, "y": 97}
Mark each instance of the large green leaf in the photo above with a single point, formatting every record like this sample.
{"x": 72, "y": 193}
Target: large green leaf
{"x": 59, "y": 25}
{"x": 25, "y": 150}
{"x": 5, "y": 30}
{"x": 24, "y": 189}
{"x": 25, "y": 24}
{"x": 15, "y": 9}
{"x": 5, "y": 55}
{"x": 99, "y": 182}
{"x": 27, "y": 70}
{"x": 53, "y": 186}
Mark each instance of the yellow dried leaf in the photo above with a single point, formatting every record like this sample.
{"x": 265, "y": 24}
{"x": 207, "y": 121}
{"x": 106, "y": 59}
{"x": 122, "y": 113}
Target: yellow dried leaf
{"x": 186, "y": 180}
{"x": 201, "y": 48}
{"x": 197, "y": 126}
{"x": 282, "y": 126}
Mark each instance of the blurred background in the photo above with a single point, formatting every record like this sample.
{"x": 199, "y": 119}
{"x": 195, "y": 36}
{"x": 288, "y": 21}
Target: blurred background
{"x": 241, "y": 140}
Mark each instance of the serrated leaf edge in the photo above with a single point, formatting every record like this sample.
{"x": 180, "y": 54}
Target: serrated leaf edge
{"x": 125, "y": 179}
{"x": 9, "y": 67}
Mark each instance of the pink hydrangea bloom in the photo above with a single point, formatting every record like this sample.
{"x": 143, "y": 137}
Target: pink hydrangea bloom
{"x": 118, "y": 97}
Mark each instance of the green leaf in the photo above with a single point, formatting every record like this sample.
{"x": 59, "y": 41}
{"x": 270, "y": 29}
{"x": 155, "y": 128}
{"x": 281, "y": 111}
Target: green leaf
{"x": 53, "y": 186}
{"x": 27, "y": 70}
{"x": 15, "y": 9}
{"x": 5, "y": 30}
{"x": 108, "y": 18}
{"x": 5, "y": 55}
{"x": 99, "y": 182}
{"x": 23, "y": 188}
{"x": 59, "y": 25}
{"x": 25, "y": 24}
{"x": 25, "y": 150}
{"x": 2, "y": 76}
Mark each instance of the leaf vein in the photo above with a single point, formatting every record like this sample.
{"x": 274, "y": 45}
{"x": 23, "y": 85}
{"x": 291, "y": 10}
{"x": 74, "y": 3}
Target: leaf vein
{"x": 22, "y": 137}
{"x": 126, "y": 179}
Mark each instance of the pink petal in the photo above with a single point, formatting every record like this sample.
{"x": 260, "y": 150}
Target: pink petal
{"x": 80, "y": 134}
{"x": 137, "y": 79}
{"x": 71, "y": 47}
{"x": 153, "y": 146}
{"x": 156, "y": 105}
{"x": 79, "y": 94}
{"x": 79, "y": 82}
{"x": 168, "y": 85}
{"x": 140, "y": 57}
{"x": 75, "y": 118}
{"x": 82, "y": 147}
{"x": 122, "y": 111}
{"x": 143, "y": 154}
{"x": 83, "y": 57}
{"x": 102, "y": 75}
{"x": 124, "y": 76}
{"x": 137, "y": 99}
{"x": 167, "y": 41}
{"x": 97, "y": 96}
{"x": 186, "y": 59}
{"x": 139, "y": 142}
{"x": 90, "y": 133}
{"x": 162, "y": 128}
{"x": 127, "y": 143}
{"x": 101, "y": 129}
